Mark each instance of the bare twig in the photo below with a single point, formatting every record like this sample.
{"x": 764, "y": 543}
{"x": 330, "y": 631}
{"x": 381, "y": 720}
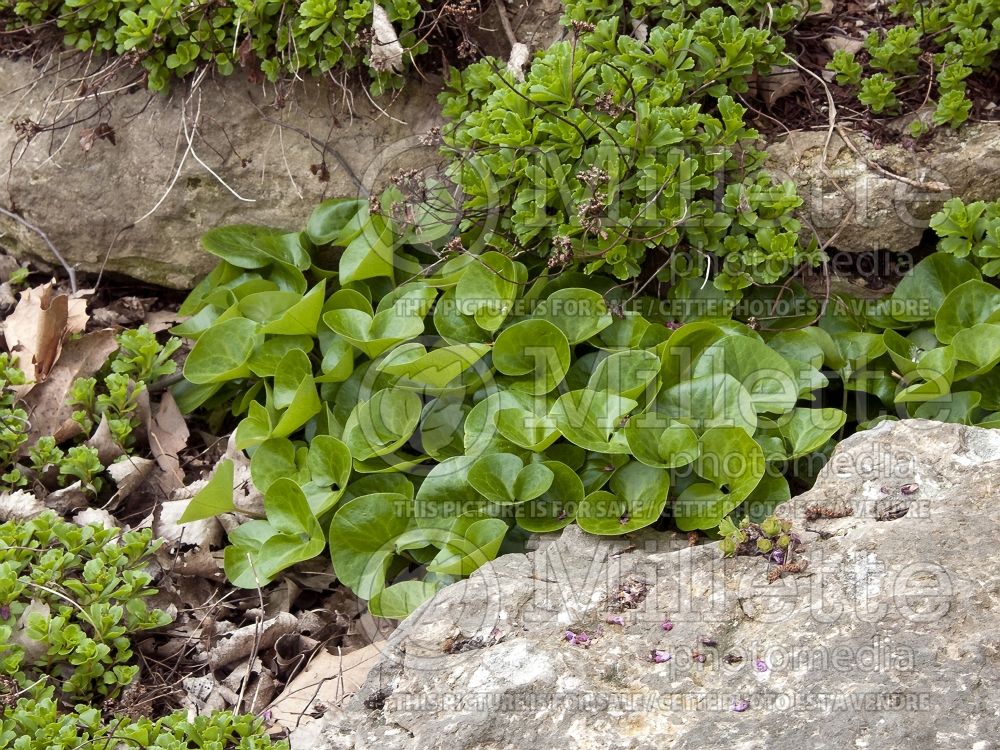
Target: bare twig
{"x": 70, "y": 271}
{"x": 505, "y": 22}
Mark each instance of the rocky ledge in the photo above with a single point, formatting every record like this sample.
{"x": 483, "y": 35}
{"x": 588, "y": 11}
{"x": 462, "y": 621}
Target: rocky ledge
{"x": 885, "y": 635}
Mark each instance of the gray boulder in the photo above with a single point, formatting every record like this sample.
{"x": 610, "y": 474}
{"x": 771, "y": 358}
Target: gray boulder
{"x": 874, "y": 197}
{"x": 134, "y": 200}
{"x": 887, "y": 639}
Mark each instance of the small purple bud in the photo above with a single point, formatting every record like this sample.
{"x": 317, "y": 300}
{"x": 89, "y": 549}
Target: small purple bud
{"x": 709, "y": 641}
{"x": 699, "y": 657}
{"x": 581, "y": 638}
{"x": 740, "y": 705}
{"x": 667, "y": 625}
{"x": 570, "y": 636}
{"x": 615, "y": 620}
{"x": 760, "y": 665}
{"x": 659, "y": 657}
{"x": 778, "y": 555}
{"x": 4, "y": 612}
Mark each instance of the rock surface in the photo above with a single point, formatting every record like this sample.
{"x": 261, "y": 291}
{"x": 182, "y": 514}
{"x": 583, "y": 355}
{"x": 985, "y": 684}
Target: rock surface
{"x": 861, "y": 207}
{"x": 284, "y": 153}
{"x": 888, "y": 639}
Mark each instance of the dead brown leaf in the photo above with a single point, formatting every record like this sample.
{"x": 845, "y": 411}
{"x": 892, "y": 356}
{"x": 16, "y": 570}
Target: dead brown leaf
{"x": 35, "y": 331}
{"x": 168, "y": 436}
{"x": 326, "y": 681}
{"x": 19, "y": 505}
{"x": 104, "y": 443}
{"x": 835, "y": 43}
{"x": 48, "y": 411}
{"x": 779, "y": 84}
{"x": 130, "y": 474}
{"x": 161, "y": 320}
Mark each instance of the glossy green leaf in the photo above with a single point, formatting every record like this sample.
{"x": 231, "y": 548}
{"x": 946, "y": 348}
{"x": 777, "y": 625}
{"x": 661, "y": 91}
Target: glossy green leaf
{"x": 400, "y": 599}
{"x": 709, "y": 401}
{"x": 557, "y": 506}
{"x": 593, "y": 419}
{"x": 215, "y": 497}
{"x": 363, "y": 537}
{"x": 504, "y": 478}
{"x": 382, "y": 424}
{"x": 536, "y": 350}
{"x": 967, "y": 305}
{"x": 578, "y": 313}
{"x": 763, "y": 373}
{"x": 222, "y": 352}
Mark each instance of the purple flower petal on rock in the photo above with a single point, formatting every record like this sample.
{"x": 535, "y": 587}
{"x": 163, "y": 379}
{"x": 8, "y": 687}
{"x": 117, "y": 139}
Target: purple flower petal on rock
{"x": 741, "y": 705}
{"x": 615, "y": 620}
{"x": 760, "y": 665}
{"x": 659, "y": 657}
{"x": 667, "y": 625}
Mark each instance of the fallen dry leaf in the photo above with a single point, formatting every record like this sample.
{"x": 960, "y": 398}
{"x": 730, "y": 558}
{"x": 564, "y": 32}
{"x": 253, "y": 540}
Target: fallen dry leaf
{"x": 48, "y": 411}
{"x": 130, "y": 474}
{"x": 834, "y": 43}
{"x": 168, "y": 436}
{"x": 104, "y": 443}
{"x": 779, "y": 84}
{"x": 36, "y": 329}
{"x": 97, "y": 516}
{"x": 386, "y": 52}
{"x": 161, "y": 320}
{"x": 326, "y": 681}
{"x": 250, "y": 640}
{"x": 68, "y": 499}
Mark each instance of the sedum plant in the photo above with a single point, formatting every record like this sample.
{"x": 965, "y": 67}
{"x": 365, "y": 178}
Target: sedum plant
{"x": 112, "y": 396}
{"x": 949, "y": 39}
{"x": 410, "y": 412}
{"x": 970, "y": 230}
{"x": 40, "y": 724}
{"x": 70, "y": 599}
{"x": 70, "y": 596}
{"x": 171, "y": 38}
{"x": 613, "y": 154}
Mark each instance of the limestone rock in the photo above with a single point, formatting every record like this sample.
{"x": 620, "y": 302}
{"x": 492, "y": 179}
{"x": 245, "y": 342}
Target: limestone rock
{"x": 86, "y": 186}
{"x": 888, "y": 213}
{"x": 887, "y": 639}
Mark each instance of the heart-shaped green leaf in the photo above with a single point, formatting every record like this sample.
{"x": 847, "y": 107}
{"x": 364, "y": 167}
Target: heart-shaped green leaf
{"x": 503, "y": 478}
{"x": 536, "y": 350}
{"x": 593, "y": 419}
{"x": 557, "y": 506}
{"x": 222, "y": 352}
{"x": 382, "y": 424}
{"x": 578, "y": 313}
{"x": 363, "y": 537}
